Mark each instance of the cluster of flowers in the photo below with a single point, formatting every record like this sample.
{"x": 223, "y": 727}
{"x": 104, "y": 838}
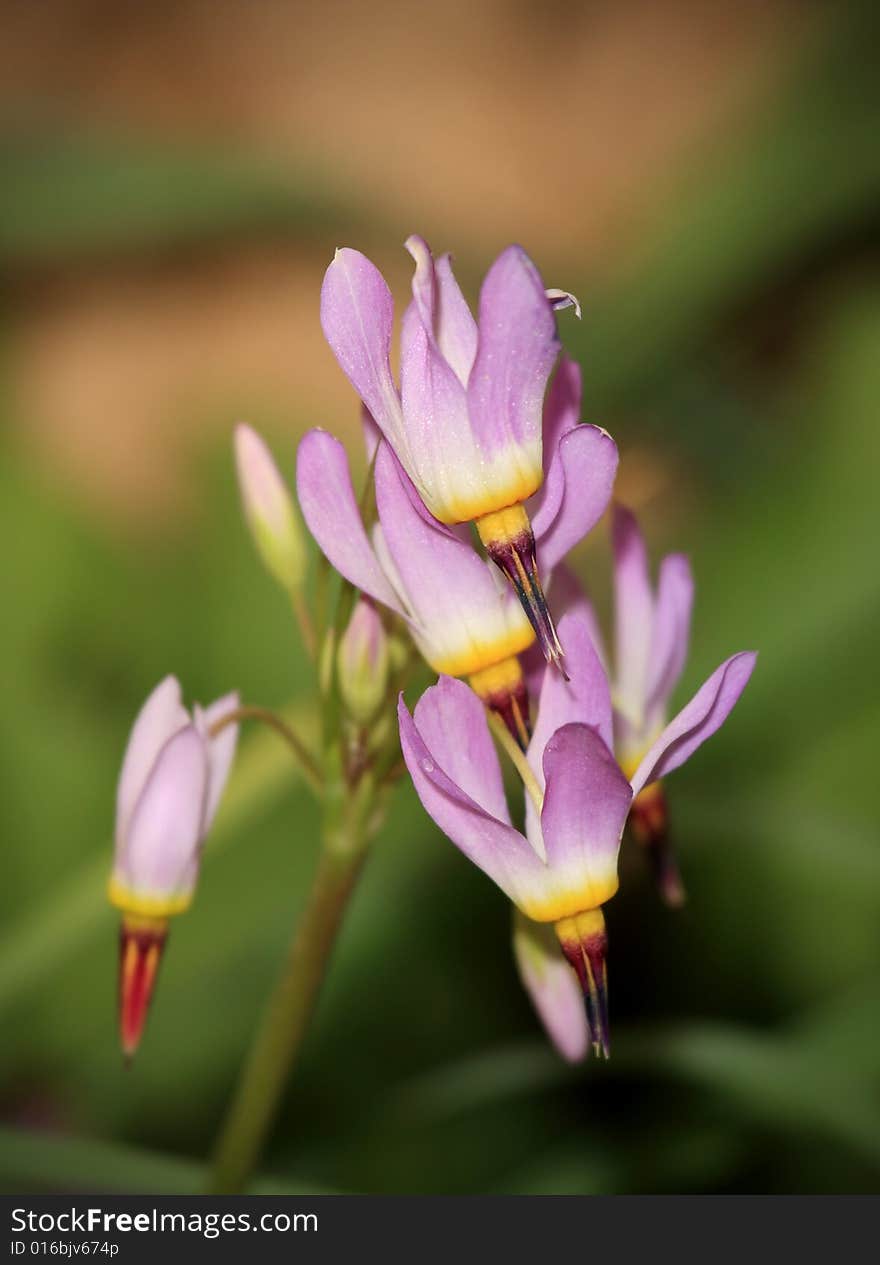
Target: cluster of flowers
{"x": 477, "y": 435}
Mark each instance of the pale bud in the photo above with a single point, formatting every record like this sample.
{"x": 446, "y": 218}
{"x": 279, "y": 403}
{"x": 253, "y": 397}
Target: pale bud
{"x": 269, "y": 509}
{"x": 363, "y": 663}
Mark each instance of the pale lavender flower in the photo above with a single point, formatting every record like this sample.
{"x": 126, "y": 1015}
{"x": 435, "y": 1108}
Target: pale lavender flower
{"x": 564, "y": 868}
{"x": 172, "y": 778}
{"x": 463, "y": 617}
{"x": 466, "y": 424}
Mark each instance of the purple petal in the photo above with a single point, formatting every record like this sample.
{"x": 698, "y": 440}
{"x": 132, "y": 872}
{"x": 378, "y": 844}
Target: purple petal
{"x": 221, "y": 750}
{"x": 565, "y": 593}
{"x": 328, "y": 503}
{"x": 491, "y": 844}
{"x": 584, "y": 699}
{"x": 706, "y": 712}
{"x": 166, "y": 825}
{"x": 442, "y": 309}
{"x": 371, "y": 433}
{"x": 671, "y": 629}
{"x": 452, "y": 722}
{"x": 633, "y": 614}
{"x": 586, "y": 802}
{"x": 443, "y": 460}
{"x": 161, "y": 716}
{"x": 552, "y": 986}
{"x": 466, "y": 618}
{"x": 516, "y": 350}
{"x": 357, "y": 316}
{"x": 455, "y": 326}
{"x": 562, "y": 408}
{"x": 587, "y": 466}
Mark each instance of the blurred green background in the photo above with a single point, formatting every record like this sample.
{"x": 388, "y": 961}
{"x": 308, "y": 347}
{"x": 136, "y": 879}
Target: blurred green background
{"x": 707, "y": 179}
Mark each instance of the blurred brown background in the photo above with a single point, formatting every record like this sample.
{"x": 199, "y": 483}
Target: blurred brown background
{"x": 564, "y": 126}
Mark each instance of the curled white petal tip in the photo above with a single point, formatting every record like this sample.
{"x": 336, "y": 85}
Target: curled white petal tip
{"x": 561, "y": 299}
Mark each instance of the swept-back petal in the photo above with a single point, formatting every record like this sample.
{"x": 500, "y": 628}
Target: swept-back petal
{"x": 166, "y": 825}
{"x": 633, "y": 614}
{"x": 671, "y": 629}
{"x": 703, "y": 715}
{"x": 552, "y": 986}
{"x": 491, "y": 844}
{"x": 161, "y": 716}
{"x": 566, "y": 593}
{"x": 221, "y": 751}
{"x": 562, "y": 408}
{"x": 452, "y": 722}
{"x": 444, "y": 462}
{"x": 516, "y": 350}
{"x": 466, "y": 619}
{"x": 586, "y": 469}
{"x": 328, "y": 503}
{"x": 442, "y": 309}
{"x": 585, "y": 698}
{"x": 357, "y": 316}
{"x": 586, "y": 802}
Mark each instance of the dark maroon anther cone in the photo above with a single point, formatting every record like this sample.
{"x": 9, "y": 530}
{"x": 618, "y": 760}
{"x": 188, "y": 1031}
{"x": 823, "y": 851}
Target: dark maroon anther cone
{"x": 584, "y": 942}
{"x": 513, "y": 708}
{"x": 649, "y": 823}
{"x": 516, "y": 558}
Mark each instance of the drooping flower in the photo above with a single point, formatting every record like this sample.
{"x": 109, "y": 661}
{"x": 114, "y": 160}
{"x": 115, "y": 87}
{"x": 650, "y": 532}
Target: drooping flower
{"x": 269, "y": 509}
{"x": 565, "y": 866}
{"x": 466, "y": 424}
{"x": 170, "y": 786}
{"x": 651, "y": 635}
{"x": 463, "y": 617}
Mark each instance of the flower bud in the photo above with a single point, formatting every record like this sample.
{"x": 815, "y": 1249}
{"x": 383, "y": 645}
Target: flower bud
{"x": 170, "y": 786}
{"x": 362, "y": 662}
{"x": 269, "y": 509}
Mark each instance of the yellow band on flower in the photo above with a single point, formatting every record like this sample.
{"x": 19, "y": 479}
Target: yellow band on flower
{"x": 498, "y": 678}
{"x": 573, "y": 903}
{"x": 150, "y": 907}
{"x": 502, "y": 526}
{"x": 480, "y": 655}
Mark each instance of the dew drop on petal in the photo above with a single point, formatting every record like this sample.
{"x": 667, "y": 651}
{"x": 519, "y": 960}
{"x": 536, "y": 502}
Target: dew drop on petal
{"x": 427, "y": 766}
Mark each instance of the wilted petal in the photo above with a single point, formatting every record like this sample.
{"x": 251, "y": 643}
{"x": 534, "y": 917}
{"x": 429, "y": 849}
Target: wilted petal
{"x": 587, "y": 467}
{"x": 559, "y": 300}
{"x": 357, "y": 315}
{"x": 161, "y": 716}
{"x": 703, "y": 715}
{"x": 671, "y": 629}
{"x": 329, "y": 506}
{"x": 490, "y": 843}
{"x": 465, "y": 618}
{"x": 516, "y": 350}
{"x": 633, "y": 616}
{"x": 586, "y": 802}
{"x": 221, "y": 750}
{"x": 166, "y": 825}
{"x": 552, "y": 986}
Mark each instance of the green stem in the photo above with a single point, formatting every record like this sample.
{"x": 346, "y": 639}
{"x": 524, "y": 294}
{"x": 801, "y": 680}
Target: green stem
{"x": 306, "y": 761}
{"x": 285, "y": 1022}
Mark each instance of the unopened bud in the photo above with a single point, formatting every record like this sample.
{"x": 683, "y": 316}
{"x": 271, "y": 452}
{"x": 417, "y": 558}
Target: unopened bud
{"x": 269, "y": 509}
{"x": 363, "y": 662}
